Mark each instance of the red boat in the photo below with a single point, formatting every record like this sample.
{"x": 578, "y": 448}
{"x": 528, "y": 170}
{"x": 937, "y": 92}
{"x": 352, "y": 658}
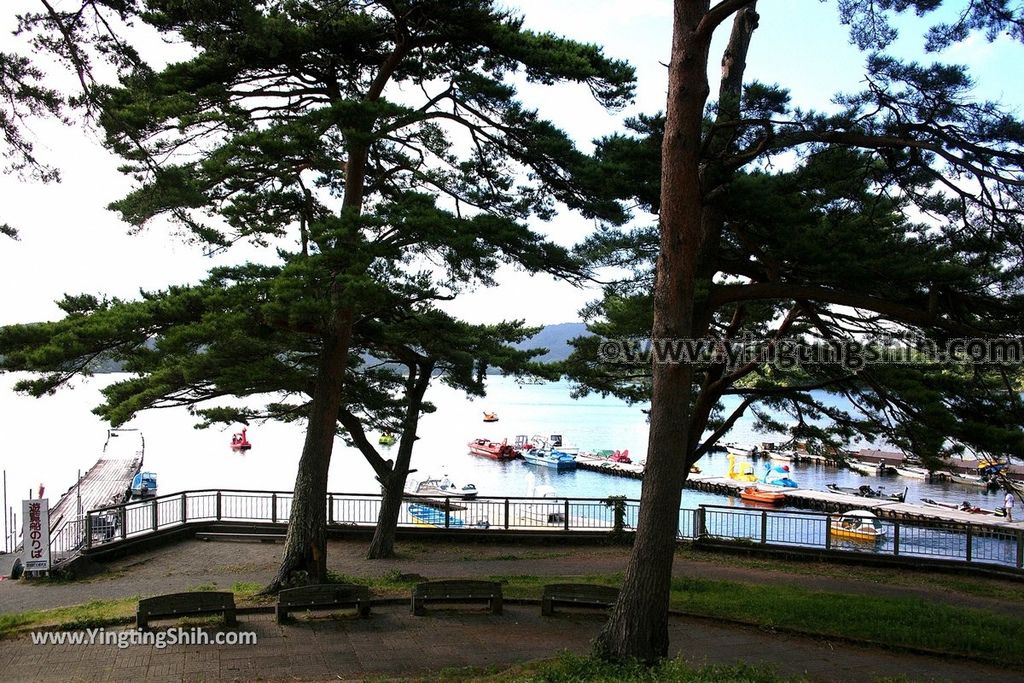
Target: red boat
{"x": 239, "y": 442}
{"x": 493, "y": 449}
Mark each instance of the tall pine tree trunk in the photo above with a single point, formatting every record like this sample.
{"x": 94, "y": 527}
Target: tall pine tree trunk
{"x": 393, "y": 485}
{"x": 305, "y": 553}
{"x": 638, "y": 626}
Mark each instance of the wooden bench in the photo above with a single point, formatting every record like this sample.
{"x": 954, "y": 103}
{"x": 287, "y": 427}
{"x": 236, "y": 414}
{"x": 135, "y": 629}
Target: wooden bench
{"x": 323, "y": 596}
{"x": 185, "y": 605}
{"x": 577, "y": 595}
{"x": 458, "y": 591}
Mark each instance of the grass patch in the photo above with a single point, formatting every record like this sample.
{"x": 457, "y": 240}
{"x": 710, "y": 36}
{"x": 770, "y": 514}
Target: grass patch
{"x": 88, "y": 615}
{"x": 895, "y": 621}
{"x": 980, "y": 586}
{"x": 571, "y": 668}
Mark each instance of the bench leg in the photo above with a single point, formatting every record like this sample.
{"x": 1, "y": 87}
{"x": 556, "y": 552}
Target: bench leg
{"x": 229, "y": 617}
{"x": 547, "y": 607}
{"x": 281, "y": 614}
{"x": 364, "y": 610}
{"x": 417, "y": 607}
{"x": 496, "y": 604}
{"x": 141, "y": 621}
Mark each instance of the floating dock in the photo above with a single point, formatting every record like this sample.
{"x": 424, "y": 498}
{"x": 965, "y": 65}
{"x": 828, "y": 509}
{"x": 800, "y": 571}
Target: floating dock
{"x": 105, "y": 483}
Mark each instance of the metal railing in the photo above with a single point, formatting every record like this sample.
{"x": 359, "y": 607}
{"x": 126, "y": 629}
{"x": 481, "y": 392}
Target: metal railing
{"x": 958, "y": 542}
{"x": 986, "y": 544}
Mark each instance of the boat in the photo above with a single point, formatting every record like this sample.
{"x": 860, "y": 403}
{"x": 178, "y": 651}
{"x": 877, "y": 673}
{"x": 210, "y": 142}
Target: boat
{"x": 912, "y": 472}
{"x": 781, "y": 478}
{"x": 741, "y": 451}
{"x": 857, "y": 525}
{"x": 490, "y": 417}
{"x": 752, "y": 493}
{"x": 440, "y": 488}
{"x": 965, "y": 506}
{"x": 387, "y": 439}
{"x": 555, "y": 442}
{"x": 866, "y": 491}
{"x": 606, "y": 456}
{"x": 493, "y": 449}
{"x": 239, "y": 442}
{"x": 144, "y": 485}
{"x": 550, "y": 458}
{"x": 425, "y": 515}
{"x": 866, "y": 468}
{"x": 745, "y": 471}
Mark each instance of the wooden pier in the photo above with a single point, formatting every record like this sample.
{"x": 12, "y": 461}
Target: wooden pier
{"x": 105, "y": 483}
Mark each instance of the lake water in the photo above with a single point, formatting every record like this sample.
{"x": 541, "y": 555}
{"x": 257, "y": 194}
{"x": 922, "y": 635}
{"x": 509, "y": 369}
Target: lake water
{"x": 46, "y": 441}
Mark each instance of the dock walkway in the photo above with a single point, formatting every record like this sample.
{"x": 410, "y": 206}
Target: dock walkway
{"x": 107, "y": 482}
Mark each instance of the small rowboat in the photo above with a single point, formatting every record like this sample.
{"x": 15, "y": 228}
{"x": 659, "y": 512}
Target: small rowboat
{"x": 756, "y": 495}
{"x": 490, "y": 417}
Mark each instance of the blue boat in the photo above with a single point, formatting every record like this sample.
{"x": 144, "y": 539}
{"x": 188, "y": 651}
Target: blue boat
{"x": 550, "y": 458}
{"x": 424, "y": 515}
{"x": 144, "y": 485}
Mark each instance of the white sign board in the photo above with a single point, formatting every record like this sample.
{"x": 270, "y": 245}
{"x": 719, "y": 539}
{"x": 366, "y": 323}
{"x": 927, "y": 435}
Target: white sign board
{"x": 36, "y": 534}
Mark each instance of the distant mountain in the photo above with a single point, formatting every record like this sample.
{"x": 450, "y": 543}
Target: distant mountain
{"x": 555, "y": 338}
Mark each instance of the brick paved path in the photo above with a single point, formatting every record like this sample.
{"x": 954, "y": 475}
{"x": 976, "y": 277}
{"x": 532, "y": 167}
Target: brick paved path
{"x": 393, "y": 643}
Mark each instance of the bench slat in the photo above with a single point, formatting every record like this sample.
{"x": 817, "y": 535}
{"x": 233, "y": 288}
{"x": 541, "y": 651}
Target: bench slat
{"x": 577, "y": 595}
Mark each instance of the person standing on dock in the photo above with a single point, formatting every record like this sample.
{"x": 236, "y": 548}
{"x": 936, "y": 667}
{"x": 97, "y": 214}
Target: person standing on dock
{"x": 1008, "y": 505}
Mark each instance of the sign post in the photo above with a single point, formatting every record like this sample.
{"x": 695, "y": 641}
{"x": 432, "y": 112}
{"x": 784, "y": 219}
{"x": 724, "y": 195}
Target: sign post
{"x": 35, "y": 517}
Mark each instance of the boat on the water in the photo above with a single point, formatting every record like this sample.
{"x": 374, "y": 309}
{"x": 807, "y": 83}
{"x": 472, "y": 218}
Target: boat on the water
{"x": 857, "y": 525}
{"x": 439, "y": 488}
{"x": 387, "y": 439}
{"x": 605, "y": 456}
{"x": 753, "y": 493}
{"x": 965, "y": 506}
{"x": 869, "y": 468}
{"x": 144, "y": 485}
{"x": 490, "y": 417}
{"x": 550, "y": 458}
{"x": 425, "y": 515}
{"x": 778, "y": 475}
{"x": 740, "y": 450}
{"x": 866, "y": 491}
{"x": 493, "y": 449}
{"x": 743, "y": 472}
{"x": 912, "y": 472}
{"x": 239, "y": 441}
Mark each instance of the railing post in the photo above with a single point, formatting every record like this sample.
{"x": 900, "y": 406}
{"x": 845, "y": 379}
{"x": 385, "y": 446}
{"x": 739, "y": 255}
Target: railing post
{"x": 970, "y": 544}
{"x": 507, "y": 513}
{"x": 1020, "y": 550}
{"x": 156, "y": 521}
{"x": 88, "y": 531}
{"x": 447, "y": 512}
{"x": 700, "y": 522}
{"x": 828, "y": 531}
{"x": 184, "y": 508}
{"x": 895, "y": 539}
{"x": 123, "y": 515}
{"x": 218, "y": 506}
{"x": 330, "y": 508}
{"x": 566, "y": 514}
{"x": 273, "y": 508}
{"x": 764, "y": 526}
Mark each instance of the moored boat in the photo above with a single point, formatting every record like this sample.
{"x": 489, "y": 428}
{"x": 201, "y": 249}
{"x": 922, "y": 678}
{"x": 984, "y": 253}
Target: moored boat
{"x": 743, "y": 472}
{"x": 753, "y": 493}
{"x": 740, "y": 450}
{"x": 387, "y": 439}
{"x": 493, "y": 449}
{"x": 490, "y": 417}
{"x": 440, "y": 488}
{"x": 550, "y": 458}
{"x": 866, "y": 491}
{"x": 778, "y": 475}
{"x": 912, "y": 472}
{"x": 144, "y": 485}
{"x": 857, "y": 525}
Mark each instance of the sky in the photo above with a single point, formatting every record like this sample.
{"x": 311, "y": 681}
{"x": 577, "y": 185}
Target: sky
{"x": 70, "y": 243}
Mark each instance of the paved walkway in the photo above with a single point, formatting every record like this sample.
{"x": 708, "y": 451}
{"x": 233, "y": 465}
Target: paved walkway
{"x": 393, "y": 643}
